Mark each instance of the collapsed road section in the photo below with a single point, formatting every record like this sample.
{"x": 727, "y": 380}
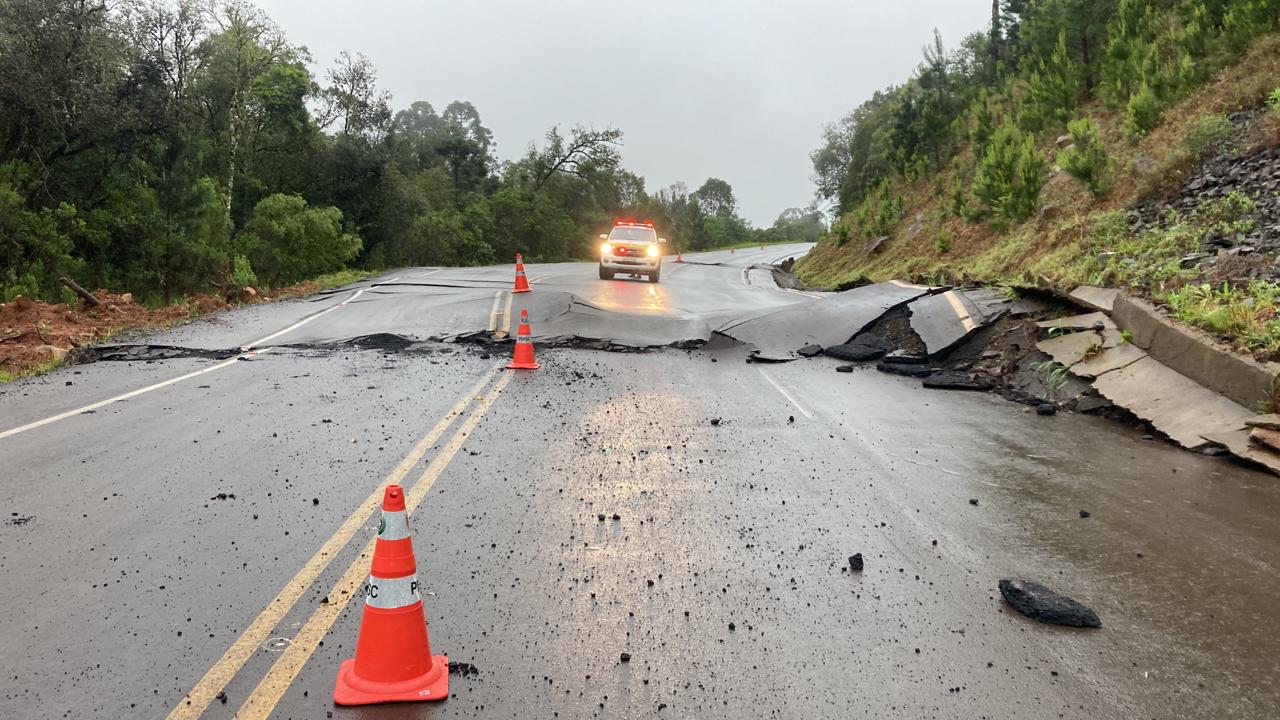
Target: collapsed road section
{"x": 1055, "y": 353}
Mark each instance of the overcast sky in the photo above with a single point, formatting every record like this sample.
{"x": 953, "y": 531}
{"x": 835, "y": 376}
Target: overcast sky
{"x": 735, "y": 89}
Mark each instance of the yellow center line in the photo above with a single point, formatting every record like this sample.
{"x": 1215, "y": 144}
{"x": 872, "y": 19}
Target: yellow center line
{"x": 958, "y": 308}
{"x": 493, "y": 313}
{"x": 506, "y": 316}
{"x": 216, "y": 679}
{"x": 264, "y": 698}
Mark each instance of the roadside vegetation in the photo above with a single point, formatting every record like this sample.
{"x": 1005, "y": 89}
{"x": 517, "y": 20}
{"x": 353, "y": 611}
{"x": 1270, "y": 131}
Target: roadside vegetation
{"x": 173, "y": 147}
{"x": 1039, "y": 151}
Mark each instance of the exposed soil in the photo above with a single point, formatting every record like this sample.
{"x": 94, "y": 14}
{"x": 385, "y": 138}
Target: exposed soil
{"x": 35, "y": 333}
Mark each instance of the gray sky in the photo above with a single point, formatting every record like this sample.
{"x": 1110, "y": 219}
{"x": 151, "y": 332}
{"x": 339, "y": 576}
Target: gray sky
{"x": 733, "y": 89}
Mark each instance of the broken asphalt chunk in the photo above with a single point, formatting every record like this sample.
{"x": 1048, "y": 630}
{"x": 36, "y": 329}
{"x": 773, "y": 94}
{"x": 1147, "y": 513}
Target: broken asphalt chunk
{"x": 809, "y": 351}
{"x": 957, "y": 380}
{"x": 1044, "y": 605}
{"x": 855, "y": 562}
{"x": 905, "y": 369}
{"x": 865, "y": 347}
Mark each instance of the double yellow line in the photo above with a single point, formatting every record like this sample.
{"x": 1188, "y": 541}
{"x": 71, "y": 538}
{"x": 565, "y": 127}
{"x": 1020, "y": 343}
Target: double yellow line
{"x": 264, "y": 698}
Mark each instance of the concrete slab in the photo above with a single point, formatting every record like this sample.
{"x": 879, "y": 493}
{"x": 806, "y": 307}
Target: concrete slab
{"x": 1173, "y": 403}
{"x": 1198, "y": 356}
{"x": 1270, "y": 421}
{"x": 1079, "y": 322}
{"x": 1072, "y": 348}
{"x": 1238, "y": 442}
{"x": 1112, "y": 358}
{"x": 1095, "y": 298}
{"x": 942, "y": 321}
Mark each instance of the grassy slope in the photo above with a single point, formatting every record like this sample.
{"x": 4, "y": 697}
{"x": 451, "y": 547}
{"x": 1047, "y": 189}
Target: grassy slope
{"x": 1060, "y": 246}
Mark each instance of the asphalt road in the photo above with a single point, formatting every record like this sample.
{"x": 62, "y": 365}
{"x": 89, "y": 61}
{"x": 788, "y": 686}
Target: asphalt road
{"x": 181, "y": 538}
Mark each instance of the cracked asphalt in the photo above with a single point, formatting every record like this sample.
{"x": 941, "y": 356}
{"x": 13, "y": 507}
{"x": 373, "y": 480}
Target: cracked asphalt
{"x": 183, "y": 548}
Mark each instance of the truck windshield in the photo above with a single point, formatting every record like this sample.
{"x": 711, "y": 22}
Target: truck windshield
{"x": 634, "y": 234}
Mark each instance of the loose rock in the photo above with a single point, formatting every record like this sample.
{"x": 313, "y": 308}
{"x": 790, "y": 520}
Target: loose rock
{"x": 1044, "y": 605}
{"x": 855, "y": 562}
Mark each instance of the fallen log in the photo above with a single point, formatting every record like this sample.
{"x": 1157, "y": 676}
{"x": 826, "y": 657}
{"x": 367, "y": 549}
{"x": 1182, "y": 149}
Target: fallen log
{"x": 84, "y": 294}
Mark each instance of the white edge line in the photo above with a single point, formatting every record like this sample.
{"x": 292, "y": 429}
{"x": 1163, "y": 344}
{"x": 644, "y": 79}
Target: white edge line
{"x": 118, "y": 398}
{"x": 305, "y": 320}
{"x": 245, "y": 351}
{"x": 784, "y": 392}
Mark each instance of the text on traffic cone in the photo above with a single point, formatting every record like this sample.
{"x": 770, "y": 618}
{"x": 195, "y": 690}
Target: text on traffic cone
{"x": 393, "y": 661}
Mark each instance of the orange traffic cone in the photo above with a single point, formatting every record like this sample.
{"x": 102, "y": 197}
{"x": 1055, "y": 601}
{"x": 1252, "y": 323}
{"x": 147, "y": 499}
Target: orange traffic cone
{"x": 522, "y": 283}
{"x": 523, "y": 358}
{"x": 393, "y": 660}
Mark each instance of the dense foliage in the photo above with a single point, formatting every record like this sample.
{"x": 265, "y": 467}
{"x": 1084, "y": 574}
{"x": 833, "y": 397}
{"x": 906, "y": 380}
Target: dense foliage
{"x": 1025, "y": 79}
{"x": 166, "y": 147}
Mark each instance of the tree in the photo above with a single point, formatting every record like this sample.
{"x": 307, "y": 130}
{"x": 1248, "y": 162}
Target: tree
{"x": 582, "y": 154}
{"x": 715, "y": 198}
{"x": 354, "y": 100}
{"x": 1010, "y": 173}
{"x": 287, "y": 241}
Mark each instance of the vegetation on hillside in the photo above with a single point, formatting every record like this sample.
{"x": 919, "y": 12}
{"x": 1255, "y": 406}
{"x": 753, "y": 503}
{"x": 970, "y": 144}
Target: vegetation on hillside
{"x": 166, "y": 147}
{"x": 1015, "y": 157}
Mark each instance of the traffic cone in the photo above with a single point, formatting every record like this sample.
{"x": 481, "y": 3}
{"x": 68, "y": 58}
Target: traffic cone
{"x": 393, "y": 661}
{"x": 522, "y": 283}
{"x": 523, "y": 358}
{"x": 679, "y": 257}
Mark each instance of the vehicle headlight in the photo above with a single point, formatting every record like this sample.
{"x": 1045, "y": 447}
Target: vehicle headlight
{"x": 653, "y": 251}
{"x": 606, "y": 248}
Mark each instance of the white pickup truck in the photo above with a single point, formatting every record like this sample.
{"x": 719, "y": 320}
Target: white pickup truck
{"x": 631, "y": 248}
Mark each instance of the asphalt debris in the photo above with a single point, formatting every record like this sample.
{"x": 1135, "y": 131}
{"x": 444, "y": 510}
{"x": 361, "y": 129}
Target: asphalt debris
{"x": 1084, "y": 514}
{"x": 1046, "y": 409}
{"x": 809, "y": 351}
{"x": 844, "y": 368}
{"x": 958, "y": 380}
{"x": 868, "y": 346}
{"x": 855, "y": 562}
{"x": 1047, "y": 606}
{"x": 462, "y": 669}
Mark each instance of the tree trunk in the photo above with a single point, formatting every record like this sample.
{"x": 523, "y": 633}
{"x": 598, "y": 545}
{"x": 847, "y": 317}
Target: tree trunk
{"x": 84, "y": 294}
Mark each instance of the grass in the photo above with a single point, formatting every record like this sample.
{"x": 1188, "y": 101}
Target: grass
{"x": 8, "y": 376}
{"x": 1246, "y": 313}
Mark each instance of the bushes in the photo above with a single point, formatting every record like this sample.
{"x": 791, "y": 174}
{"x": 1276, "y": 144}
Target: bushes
{"x": 1143, "y": 111}
{"x": 286, "y": 241}
{"x": 1010, "y": 174}
{"x": 1087, "y": 158}
{"x": 1209, "y": 132}
{"x": 943, "y": 243}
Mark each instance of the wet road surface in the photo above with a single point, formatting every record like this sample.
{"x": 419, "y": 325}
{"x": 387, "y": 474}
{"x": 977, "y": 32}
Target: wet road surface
{"x": 190, "y": 550}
